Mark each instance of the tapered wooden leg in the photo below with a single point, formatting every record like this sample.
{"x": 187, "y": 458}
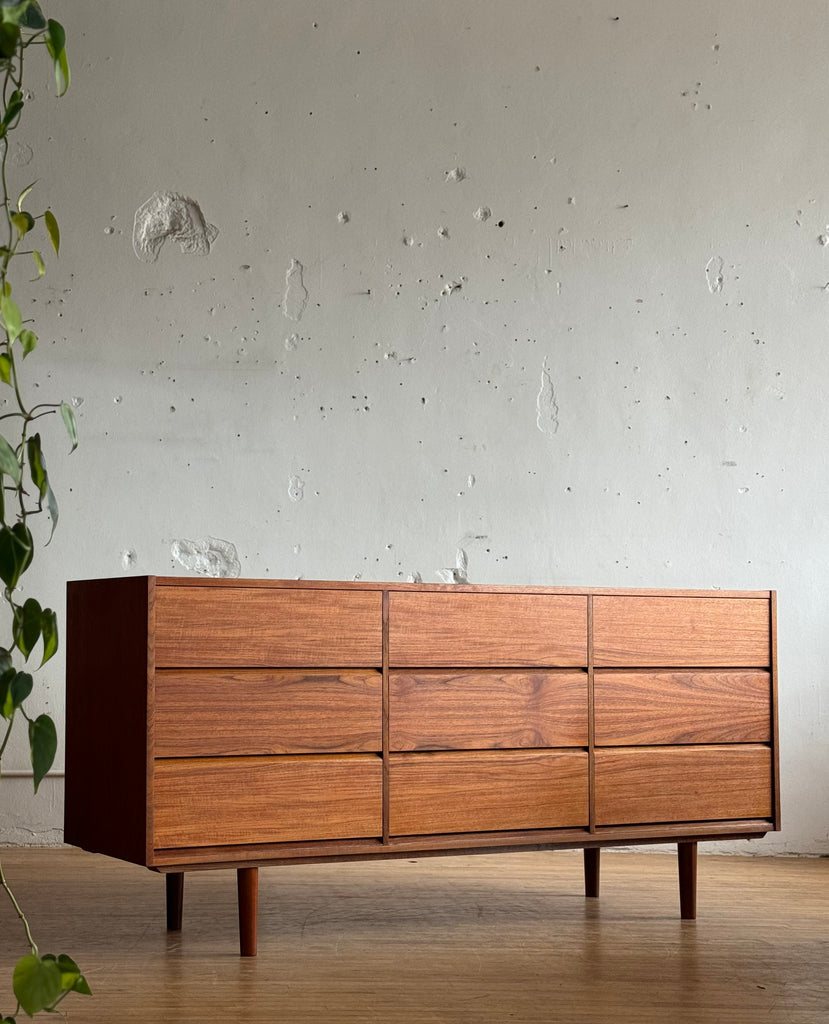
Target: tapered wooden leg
{"x": 175, "y": 900}
{"x": 247, "y": 884}
{"x": 591, "y": 871}
{"x": 687, "y": 857}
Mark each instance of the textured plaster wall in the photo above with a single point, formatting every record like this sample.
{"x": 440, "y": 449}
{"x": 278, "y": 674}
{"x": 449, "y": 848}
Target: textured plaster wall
{"x": 533, "y": 292}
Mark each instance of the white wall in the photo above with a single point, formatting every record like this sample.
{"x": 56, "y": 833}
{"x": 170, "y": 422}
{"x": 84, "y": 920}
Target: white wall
{"x": 586, "y": 408}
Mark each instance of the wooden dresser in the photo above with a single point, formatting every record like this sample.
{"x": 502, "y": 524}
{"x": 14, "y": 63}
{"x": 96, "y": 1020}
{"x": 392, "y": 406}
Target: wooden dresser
{"x": 238, "y": 723}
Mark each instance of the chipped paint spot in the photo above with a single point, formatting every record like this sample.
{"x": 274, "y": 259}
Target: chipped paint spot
{"x": 414, "y": 577}
{"x": 296, "y": 488}
{"x": 343, "y": 217}
{"x": 443, "y": 232}
{"x": 399, "y": 359}
{"x": 291, "y": 342}
{"x": 470, "y": 480}
{"x": 460, "y": 573}
{"x": 714, "y": 274}
{"x": 483, "y": 213}
{"x": 456, "y": 174}
{"x": 823, "y": 239}
{"x": 452, "y": 286}
{"x": 170, "y": 215}
{"x": 129, "y": 559}
{"x": 546, "y": 406}
{"x": 210, "y": 557}
{"x": 296, "y": 294}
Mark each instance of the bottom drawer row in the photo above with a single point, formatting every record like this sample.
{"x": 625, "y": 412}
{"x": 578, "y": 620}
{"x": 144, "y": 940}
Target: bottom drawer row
{"x": 232, "y": 800}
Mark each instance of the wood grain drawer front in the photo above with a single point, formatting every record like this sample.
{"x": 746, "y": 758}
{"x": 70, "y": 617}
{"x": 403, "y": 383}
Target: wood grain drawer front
{"x": 681, "y": 707}
{"x": 432, "y": 709}
{"x": 663, "y": 784}
{"x": 222, "y": 801}
{"x": 212, "y": 626}
{"x": 462, "y": 629}
{"x": 487, "y": 791}
{"x": 681, "y": 632}
{"x": 208, "y": 712}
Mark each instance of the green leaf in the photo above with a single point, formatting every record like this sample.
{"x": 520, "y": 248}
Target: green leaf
{"x": 52, "y": 230}
{"x": 68, "y": 414}
{"x": 8, "y": 460}
{"x": 6, "y": 697}
{"x": 20, "y": 688}
{"x": 49, "y": 631}
{"x": 43, "y": 740}
{"x": 36, "y": 983}
{"x": 41, "y": 266}
{"x": 71, "y": 978}
{"x": 37, "y": 466}
{"x": 5, "y": 368}
{"x": 16, "y": 549}
{"x": 33, "y": 16}
{"x": 28, "y": 625}
{"x": 28, "y": 339}
{"x": 9, "y": 38}
{"x": 12, "y": 319}
{"x": 56, "y": 45}
{"x": 24, "y": 222}
{"x": 23, "y": 195}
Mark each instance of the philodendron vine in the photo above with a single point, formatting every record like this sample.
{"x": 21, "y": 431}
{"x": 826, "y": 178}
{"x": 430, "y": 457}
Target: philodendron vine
{"x": 40, "y": 981}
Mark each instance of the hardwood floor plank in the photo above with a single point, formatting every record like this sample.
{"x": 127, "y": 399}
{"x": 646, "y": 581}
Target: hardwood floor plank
{"x": 482, "y": 939}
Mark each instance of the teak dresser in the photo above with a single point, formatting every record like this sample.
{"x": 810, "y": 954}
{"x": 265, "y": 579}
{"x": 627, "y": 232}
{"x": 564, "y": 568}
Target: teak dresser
{"x": 239, "y": 723}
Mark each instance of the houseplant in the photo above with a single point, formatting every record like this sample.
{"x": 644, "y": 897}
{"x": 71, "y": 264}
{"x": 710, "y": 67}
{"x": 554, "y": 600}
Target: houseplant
{"x": 40, "y": 981}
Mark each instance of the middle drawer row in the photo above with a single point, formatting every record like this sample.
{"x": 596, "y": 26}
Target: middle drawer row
{"x": 220, "y": 712}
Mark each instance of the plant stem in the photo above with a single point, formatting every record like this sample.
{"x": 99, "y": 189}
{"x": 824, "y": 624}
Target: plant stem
{"x": 19, "y": 912}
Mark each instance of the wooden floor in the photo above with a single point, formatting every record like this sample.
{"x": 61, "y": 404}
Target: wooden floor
{"x": 473, "y": 940}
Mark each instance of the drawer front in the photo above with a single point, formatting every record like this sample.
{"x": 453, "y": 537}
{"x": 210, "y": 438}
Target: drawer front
{"x": 430, "y": 709}
{"x": 682, "y": 632}
{"x": 462, "y": 629}
{"x": 488, "y": 791}
{"x": 651, "y": 784}
{"x": 209, "y": 712}
{"x": 644, "y": 707}
{"x": 223, "y": 801}
{"x": 214, "y": 626}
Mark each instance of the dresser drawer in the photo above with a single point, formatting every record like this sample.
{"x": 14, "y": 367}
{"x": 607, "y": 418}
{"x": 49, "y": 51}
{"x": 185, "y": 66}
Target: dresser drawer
{"x": 487, "y": 791}
{"x": 649, "y": 785}
{"x": 432, "y": 709}
{"x": 651, "y": 707}
{"x": 681, "y": 632}
{"x": 207, "y": 712}
{"x": 274, "y": 628}
{"x": 434, "y": 629}
{"x": 223, "y": 801}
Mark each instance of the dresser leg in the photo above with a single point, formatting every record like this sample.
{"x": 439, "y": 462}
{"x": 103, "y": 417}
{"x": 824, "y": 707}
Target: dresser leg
{"x": 247, "y": 884}
{"x": 687, "y": 857}
{"x": 591, "y": 871}
{"x": 175, "y": 900}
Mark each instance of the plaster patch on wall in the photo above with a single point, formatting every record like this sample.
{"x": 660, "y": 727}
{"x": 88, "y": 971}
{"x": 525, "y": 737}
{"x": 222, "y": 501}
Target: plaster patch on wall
{"x": 170, "y": 215}
{"x": 714, "y": 274}
{"x": 456, "y": 174}
{"x": 483, "y": 213}
{"x": 414, "y": 577}
{"x": 546, "y": 405}
{"x": 460, "y": 574}
{"x": 296, "y": 488}
{"x": 452, "y": 286}
{"x": 129, "y": 559}
{"x": 210, "y": 557}
{"x": 22, "y": 154}
{"x": 443, "y": 232}
{"x": 343, "y": 217}
{"x": 291, "y": 342}
{"x": 296, "y": 294}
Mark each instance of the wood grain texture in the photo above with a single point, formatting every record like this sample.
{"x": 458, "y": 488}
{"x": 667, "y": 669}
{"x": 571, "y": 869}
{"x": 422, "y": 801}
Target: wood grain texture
{"x": 487, "y": 791}
{"x": 652, "y": 707}
{"x": 476, "y": 710}
{"x": 107, "y": 652}
{"x": 499, "y": 630}
{"x": 672, "y": 784}
{"x": 682, "y": 632}
{"x": 213, "y": 801}
{"x": 273, "y": 628}
{"x": 204, "y": 712}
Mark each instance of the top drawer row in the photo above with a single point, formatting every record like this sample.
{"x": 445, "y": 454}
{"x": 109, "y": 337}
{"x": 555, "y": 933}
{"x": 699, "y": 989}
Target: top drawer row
{"x": 214, "y": 626}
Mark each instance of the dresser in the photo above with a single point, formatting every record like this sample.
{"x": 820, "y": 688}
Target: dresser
{"x": 242, "y": 723}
